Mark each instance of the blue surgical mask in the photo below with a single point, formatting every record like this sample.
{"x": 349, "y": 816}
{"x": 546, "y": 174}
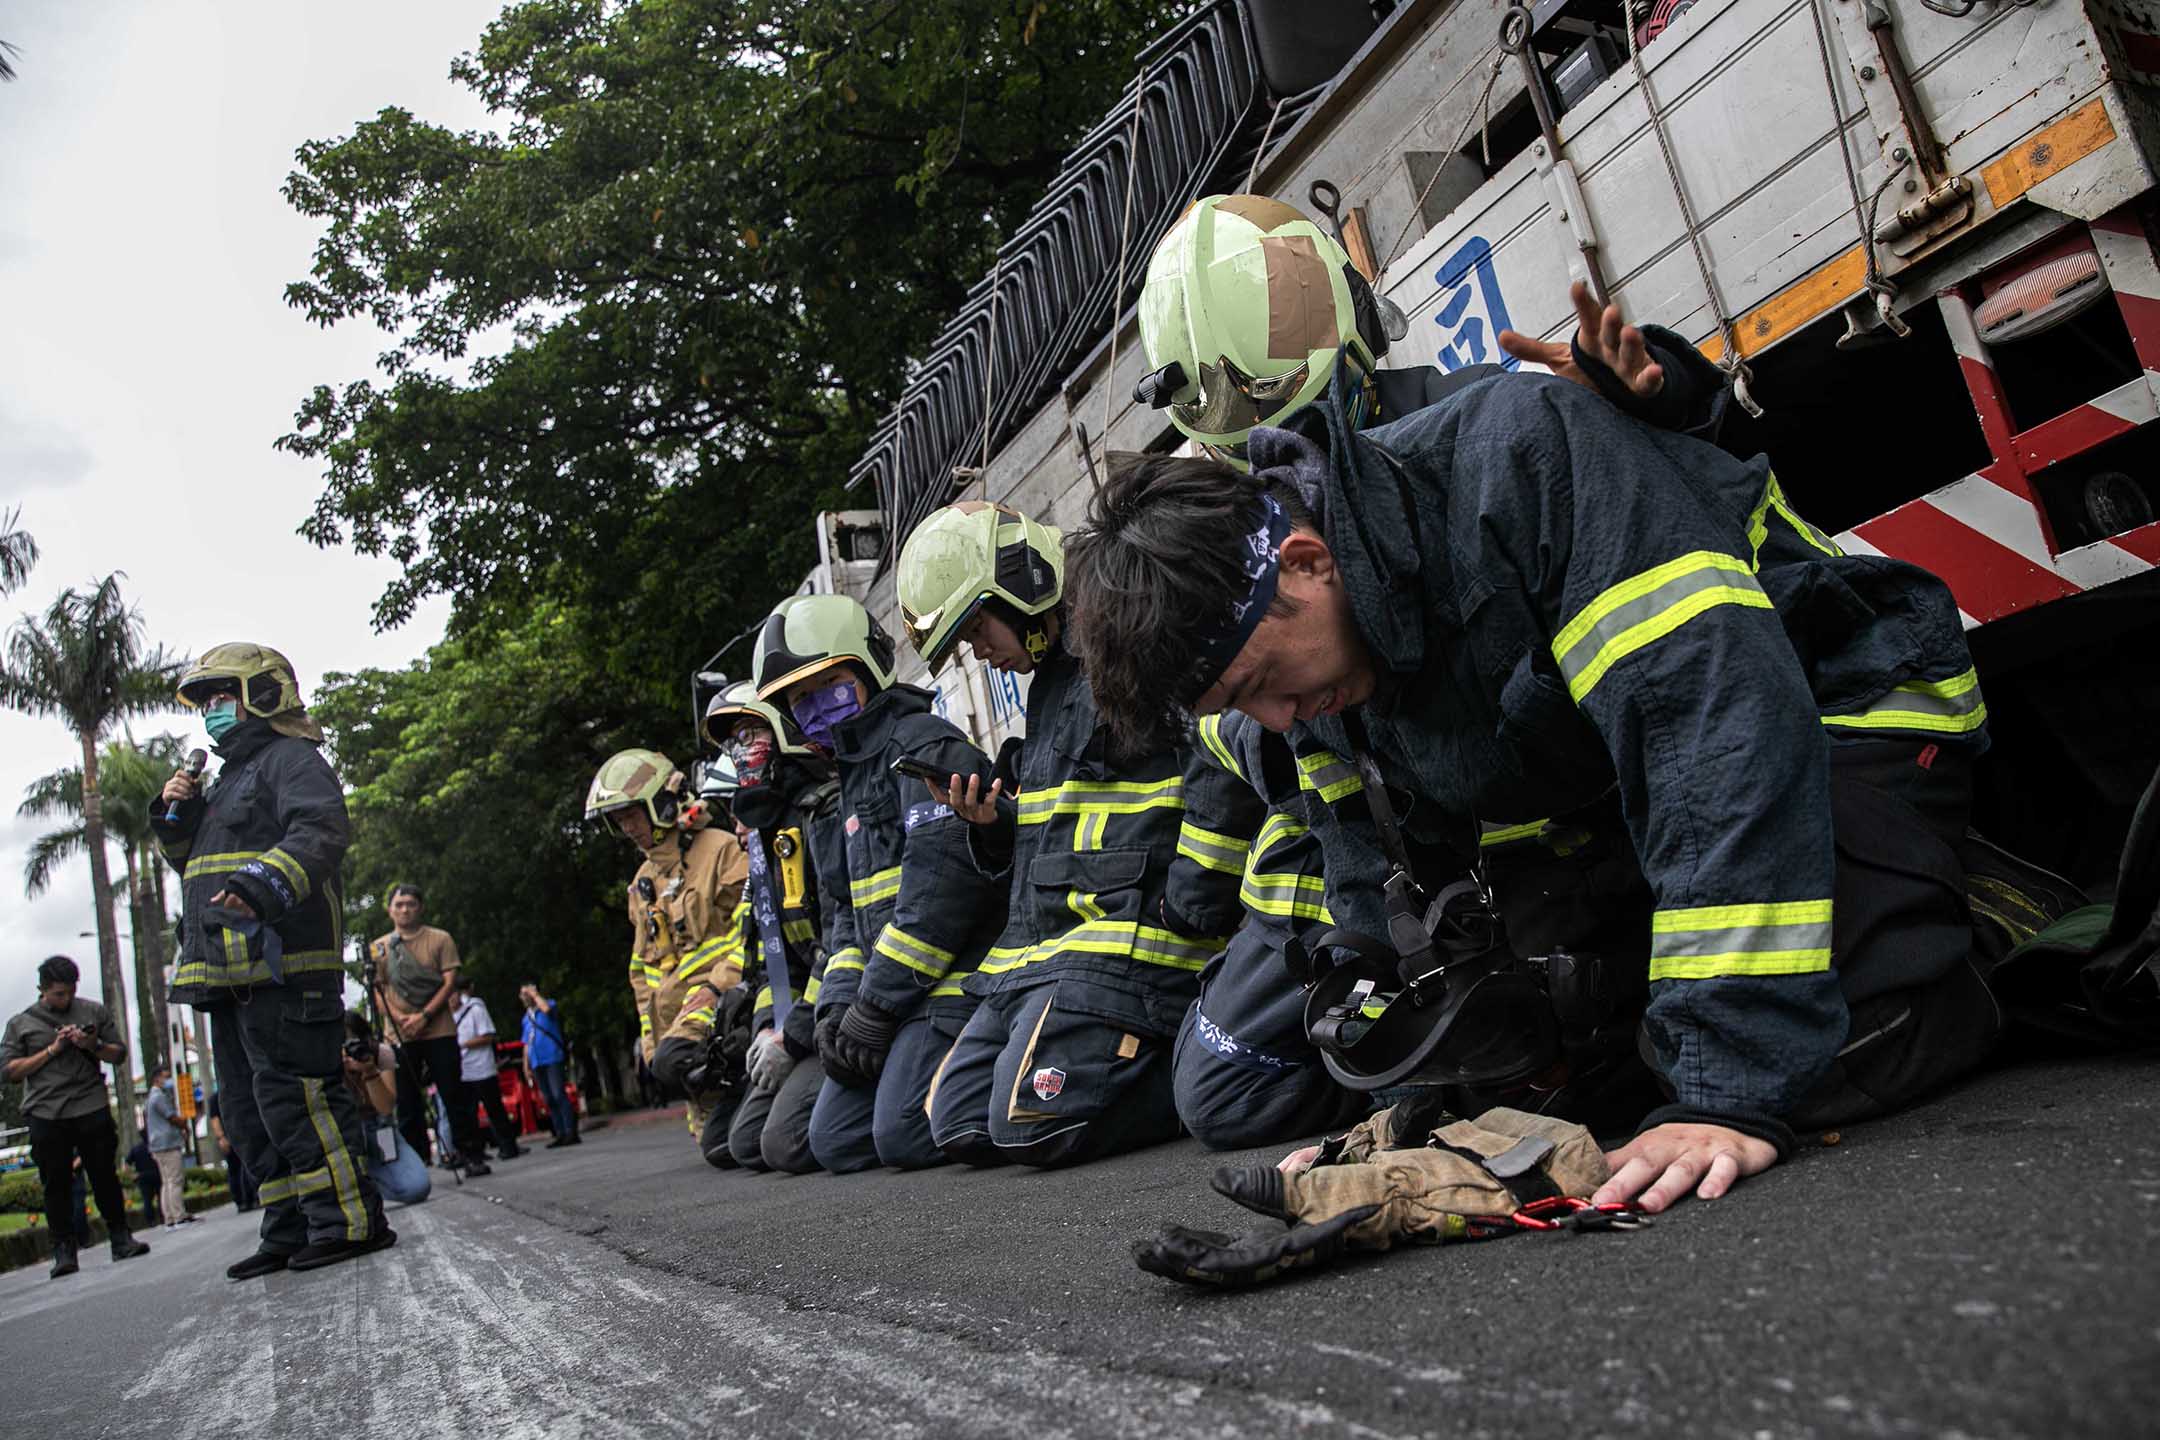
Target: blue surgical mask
{"x": 220, "y": 717}
{"x": 824, "y": 709}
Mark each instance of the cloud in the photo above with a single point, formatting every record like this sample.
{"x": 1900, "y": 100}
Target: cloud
{"x": 39, "y": 455}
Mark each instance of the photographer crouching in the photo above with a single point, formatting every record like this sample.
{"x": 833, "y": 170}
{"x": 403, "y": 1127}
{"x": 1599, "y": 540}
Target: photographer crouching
{"x": 371, "y": 1070}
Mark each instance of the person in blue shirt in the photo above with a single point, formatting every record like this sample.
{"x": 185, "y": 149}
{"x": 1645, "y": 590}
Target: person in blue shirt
{"x": 547, "y": 1057}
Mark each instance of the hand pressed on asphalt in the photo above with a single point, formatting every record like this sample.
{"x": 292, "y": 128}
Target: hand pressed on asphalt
{"x": 1603, "y": 335}
{"x": 1658, "y": 1167}
{"x": 969, "y": 801}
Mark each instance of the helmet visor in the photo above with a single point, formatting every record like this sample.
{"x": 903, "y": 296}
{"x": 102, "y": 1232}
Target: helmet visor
{"x": 1230, "y": 400}
{"x": 922, "y": 631}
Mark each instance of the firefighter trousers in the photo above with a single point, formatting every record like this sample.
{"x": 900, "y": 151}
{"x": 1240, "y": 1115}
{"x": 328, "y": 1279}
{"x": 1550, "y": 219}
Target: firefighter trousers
{"x": 853, "y": 1129}
{"x": 1911, "y": 955}
{"x": 278, "y": 1051}
{"x": 783, "y": 1143}
{"x": 1033, "y": 1082}
{"x": 1243, "y": 1071}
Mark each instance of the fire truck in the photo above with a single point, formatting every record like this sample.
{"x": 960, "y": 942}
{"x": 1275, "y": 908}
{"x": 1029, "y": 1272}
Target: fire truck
{"x": 1918, "y": 234}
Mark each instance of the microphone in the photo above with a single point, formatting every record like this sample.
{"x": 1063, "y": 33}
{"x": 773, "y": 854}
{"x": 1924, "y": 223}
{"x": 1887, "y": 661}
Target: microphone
{"x": 196, "y": 760}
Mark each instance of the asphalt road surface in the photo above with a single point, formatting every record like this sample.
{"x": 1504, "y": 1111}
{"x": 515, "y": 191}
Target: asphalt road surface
{"x": 1986, "y": 1265}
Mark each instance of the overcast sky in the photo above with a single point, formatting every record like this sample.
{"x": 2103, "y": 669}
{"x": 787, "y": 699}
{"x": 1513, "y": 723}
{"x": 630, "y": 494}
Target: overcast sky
{"x": 147, "y": 359}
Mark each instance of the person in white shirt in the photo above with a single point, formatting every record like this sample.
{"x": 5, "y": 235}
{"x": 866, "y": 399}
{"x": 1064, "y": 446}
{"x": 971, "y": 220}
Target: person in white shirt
{"x": 476, "y": 1062}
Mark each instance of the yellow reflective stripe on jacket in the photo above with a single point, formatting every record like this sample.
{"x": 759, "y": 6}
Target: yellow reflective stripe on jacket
{"x": 1150, "y": 944}
{"x": 1329, "y": 774}
{"x": 1210, "y": 729}
{"x": 1492, "y": 835}
{"x": 235, "y": 968}
{"x": 764, "y": 998}
{"x": 1790, "y": 937}
{"x": 918, "y": 955}
{"x": 848, "y": 959}
{"x": 809, "y": 994}
{"x": 704, "y": 955}
{"x": 1944, "y": 707}
{"x": 1647, "y": 608}
{"x": 802, "y": 932}
{"x": 1758, "y": 525}
{"x": 952, "y": 985}
{"x": 644, "y": 1024}
{"x": 1102, "y": 797}
{"x": 218, "y": 864}
{"x": 703, "y": 1015}
{"x": 1211, "y": 849}
{"x": 1285, "y": 894}
{"x": 291, "y": 869}
{"x": 884, "y": 885}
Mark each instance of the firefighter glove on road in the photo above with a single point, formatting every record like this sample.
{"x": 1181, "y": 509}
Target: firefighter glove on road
{"x": 1208, "y": 1257}
{"x": 854, "y": 1047}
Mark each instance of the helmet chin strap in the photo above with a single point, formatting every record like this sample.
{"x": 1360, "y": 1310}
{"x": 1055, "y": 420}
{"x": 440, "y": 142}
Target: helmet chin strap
{"x": 1037, "y": 640}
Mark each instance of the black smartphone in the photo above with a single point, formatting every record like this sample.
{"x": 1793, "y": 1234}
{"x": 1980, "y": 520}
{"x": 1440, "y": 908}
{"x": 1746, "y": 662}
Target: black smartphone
{"x": 916, "y": 769}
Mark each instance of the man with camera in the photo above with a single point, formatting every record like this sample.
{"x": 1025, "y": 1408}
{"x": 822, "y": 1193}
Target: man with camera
{"x": 57, "y": 1049}
{"x": 414, "y": 973}
{"x": 398, "y": 1170}
{"x": 261, "y": 936}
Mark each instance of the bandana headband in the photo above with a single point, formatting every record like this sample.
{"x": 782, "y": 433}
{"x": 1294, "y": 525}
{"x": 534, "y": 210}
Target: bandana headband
{"x": 1262, "y": 562}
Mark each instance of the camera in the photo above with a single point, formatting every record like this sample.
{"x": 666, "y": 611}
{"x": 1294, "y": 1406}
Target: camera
{"x": 361, "y": 1051}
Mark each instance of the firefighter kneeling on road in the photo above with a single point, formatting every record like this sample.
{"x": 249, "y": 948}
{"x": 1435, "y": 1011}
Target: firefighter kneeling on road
{"x": 262, "y": 954}
{"x": 1123, "y": 869}
{"x": 786, "y": 803}
{"x": 681, "y": 903}
{"x": 1515, "y": 602}
{"x": 905, "y": 889}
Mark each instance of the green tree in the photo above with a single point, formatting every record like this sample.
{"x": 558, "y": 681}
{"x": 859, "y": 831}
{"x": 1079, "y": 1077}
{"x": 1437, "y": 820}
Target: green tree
{"x": 85, "y": 664}
{"x": 467, "y": 774}
{"x": 18, "y": 552}
{"x": 130, "y": 778}
{"x": 715, "y": 230}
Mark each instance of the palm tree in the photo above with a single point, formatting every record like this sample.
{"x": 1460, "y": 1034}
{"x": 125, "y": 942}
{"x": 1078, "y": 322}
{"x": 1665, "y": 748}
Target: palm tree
{"x": 18, "y": 551}
{"x": 84, "y": 663}
{"x": 130, "y": 778}
{"x": 7, "y": 68}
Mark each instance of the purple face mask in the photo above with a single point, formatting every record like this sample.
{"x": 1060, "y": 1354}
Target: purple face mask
{"x": 823, "y": 709}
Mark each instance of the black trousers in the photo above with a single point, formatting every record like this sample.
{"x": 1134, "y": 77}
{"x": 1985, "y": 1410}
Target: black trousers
{"x": 488, "y": 1093}
{"x": 435, "y": 1061}
{"x": 54, "y": 1144}
{"x": 281, "y": 1082}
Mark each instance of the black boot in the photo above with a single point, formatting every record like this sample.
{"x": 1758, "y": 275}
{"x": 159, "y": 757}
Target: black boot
{"x": 126, "y": 1246}
{"x": 63, "y": 1258}
{"x": 262, "y": 1262}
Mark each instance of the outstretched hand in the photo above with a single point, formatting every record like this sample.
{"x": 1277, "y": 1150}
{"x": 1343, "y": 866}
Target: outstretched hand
{"x": 1603, "y": 335}
{"x": 1659, "y": 1166}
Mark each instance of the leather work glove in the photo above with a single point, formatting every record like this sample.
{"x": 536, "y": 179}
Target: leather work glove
{"x": 1234, "y": 1262}
{"x": 769, "y": 1061}
{"x": 855, "y": 1047}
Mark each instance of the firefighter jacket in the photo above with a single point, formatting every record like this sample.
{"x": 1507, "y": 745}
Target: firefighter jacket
{"x": 916, "y": 915}
{"x": 1559, "y": 601}
{"x": 783, "y": 854}
{"x": 272, "y": 828}
{"x": 1314, "y": 807}
{"x": 681, "y": 936}
{"x": 1123, "y": 875}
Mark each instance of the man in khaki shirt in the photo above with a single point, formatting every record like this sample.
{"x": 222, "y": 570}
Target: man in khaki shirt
{"x": 416, "y": 968}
